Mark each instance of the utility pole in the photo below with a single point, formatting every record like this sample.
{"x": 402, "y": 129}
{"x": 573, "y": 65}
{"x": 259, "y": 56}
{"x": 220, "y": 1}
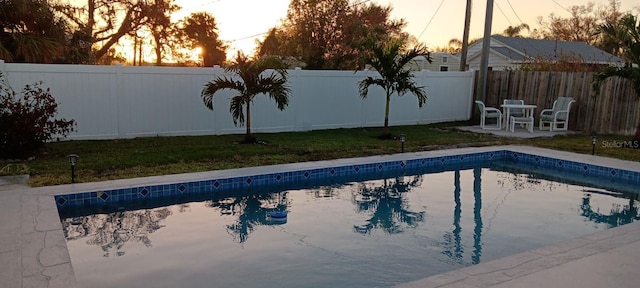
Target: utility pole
{"x": 465, "y": 38}
{"x": 486, "y": 45}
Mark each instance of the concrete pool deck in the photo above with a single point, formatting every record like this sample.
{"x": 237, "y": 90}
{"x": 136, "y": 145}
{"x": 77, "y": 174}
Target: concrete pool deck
{"x": 33, "y": 251}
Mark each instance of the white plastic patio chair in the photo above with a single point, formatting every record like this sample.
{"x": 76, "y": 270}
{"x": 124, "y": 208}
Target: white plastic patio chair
{"x": 558, "y": 116}
{"x": 489, "y": 112}
{"x": 514, "y": 112}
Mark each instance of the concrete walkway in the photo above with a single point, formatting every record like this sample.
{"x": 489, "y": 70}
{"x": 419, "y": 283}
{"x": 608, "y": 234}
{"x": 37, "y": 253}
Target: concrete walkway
{"x": 605, "y": 259}
{"x": 33, "y": 251}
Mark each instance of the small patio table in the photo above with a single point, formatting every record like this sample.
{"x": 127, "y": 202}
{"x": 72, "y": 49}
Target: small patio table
{"x": 506, "y": 108}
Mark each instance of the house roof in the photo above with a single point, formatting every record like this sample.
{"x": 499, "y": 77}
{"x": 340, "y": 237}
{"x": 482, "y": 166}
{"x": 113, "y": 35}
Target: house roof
{"x": 522, "y": 49}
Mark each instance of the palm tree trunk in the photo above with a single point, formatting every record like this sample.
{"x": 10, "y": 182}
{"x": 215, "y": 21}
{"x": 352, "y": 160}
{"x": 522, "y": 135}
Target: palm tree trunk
{"x": 385, "y": 131}
{"x": 247, "y": 137}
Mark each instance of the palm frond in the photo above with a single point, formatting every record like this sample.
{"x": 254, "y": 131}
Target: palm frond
{"x": 216, "y": 85}
{"x": 627, "y": 72}
{"x": 236, "y": 109}
{"x": 5, "y": 53}
{"x": 363, "y": 86}
{"x": 239, "y": 64}
{"x": 417, "y": 51}
{"x": 276, "y": 88}
{"x": 626, "y": 33}
{"x": 36, "y": 49}
{"x": 418, "y": 91}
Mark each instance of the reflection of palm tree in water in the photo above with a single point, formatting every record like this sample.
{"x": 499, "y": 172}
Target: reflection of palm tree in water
{"x": 251, "y": 212}
{"x": 453, "y": 241}
{"x": 453, "y": 247}
{"x": 388, "y": 206}
{"x": 617, "y": 215}
{"x": 477, "y": 216}
{"x": 112, "y": 231}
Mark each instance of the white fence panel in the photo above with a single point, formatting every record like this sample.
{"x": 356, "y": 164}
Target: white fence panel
{"x": 123, "y": 102}
{"x": 450, "y": 96}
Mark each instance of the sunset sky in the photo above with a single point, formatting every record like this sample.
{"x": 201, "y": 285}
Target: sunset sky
{"x": 242, "y": 22}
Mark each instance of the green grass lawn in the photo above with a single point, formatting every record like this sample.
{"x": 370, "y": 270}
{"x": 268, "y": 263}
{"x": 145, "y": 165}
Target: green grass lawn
{"x": 129, "y": 158}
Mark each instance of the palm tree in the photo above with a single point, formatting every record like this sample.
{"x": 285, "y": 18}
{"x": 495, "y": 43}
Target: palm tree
{"x": 395, "y": 76}
{"x": 626, "y": 33}
{"x": 254, "y": 80}
{"x": 30, "y": 31}
{"x": 512, "y": 31}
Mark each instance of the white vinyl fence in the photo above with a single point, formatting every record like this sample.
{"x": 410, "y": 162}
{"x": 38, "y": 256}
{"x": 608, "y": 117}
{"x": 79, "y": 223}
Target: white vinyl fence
{"x": 111, "y": 102}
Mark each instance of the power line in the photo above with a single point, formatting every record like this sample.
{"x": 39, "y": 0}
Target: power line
{"x": 361, "y": 2}
{"x": 432, "y": 17}
{"x": 200, "y": 5}
{"x": 554, "y": 1}
{"x": 522, "y": 23}
{"x": 248, "y": 37}
{"x": 505, "y": 15}
{"x": 514, "y": 12}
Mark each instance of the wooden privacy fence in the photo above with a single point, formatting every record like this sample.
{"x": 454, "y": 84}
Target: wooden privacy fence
{"x": 611, "y": 110}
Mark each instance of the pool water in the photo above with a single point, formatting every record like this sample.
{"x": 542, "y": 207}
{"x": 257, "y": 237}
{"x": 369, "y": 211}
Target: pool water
{"x": 370, "y": 233}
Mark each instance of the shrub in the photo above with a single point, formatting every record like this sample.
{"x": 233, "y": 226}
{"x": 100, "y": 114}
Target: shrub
{"x": 27, "y": 120}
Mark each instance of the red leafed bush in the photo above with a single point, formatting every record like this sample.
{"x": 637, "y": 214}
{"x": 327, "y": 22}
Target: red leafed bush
{"x": 27, "y": 120}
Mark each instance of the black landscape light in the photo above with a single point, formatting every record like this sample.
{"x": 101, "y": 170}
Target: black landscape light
{"x": 594, "y": 141}
{"x": 402, "y": 139}
{"x": 73, "y": 159}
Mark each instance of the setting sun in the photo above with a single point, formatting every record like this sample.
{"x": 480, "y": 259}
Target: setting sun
{"x": 240, "y": 22}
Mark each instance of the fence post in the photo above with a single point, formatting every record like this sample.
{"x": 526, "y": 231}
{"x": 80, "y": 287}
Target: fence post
{"x": 424, "y": 74}
{"x": 117, "y": 98}
{"x": 217, "y": 123}
{"x": 472, "y": 89}
{"x": 295, "y": 89}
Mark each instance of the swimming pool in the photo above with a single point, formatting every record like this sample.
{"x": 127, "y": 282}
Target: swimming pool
{"x": 380, "y": 225}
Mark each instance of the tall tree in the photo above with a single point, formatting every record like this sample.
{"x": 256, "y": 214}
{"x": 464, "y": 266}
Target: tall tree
{"x": 582, "y": 25}
{"x": 30, "y": 32}
{"x": 270, "y": 45}
{"x": 313, "y": 26}
{"x": 201, "y": 31}
{"x": 395, "y": 75}
{"x": 254, "y": 80}
{"x": 330, "y": 34}
{"x": 105, "y": 21}
{"x": 626, "y": 33}
{"x": 365, "y": 23}
{"x": 160, "y": 25}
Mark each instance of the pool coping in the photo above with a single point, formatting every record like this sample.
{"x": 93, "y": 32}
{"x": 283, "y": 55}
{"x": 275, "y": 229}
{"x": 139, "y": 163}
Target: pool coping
{"x": 35, "y": 252}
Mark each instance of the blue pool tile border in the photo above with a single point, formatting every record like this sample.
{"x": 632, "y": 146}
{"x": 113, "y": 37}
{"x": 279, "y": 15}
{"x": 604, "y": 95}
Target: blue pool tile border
{"x": 568, "y": 166}
{"x": 93, "y": 198}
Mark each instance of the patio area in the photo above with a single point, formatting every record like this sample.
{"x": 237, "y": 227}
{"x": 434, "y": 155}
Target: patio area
{"x": 518, "y": 132}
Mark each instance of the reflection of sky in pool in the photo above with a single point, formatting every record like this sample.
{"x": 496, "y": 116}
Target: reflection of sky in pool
{"x": 374, "y": 233}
